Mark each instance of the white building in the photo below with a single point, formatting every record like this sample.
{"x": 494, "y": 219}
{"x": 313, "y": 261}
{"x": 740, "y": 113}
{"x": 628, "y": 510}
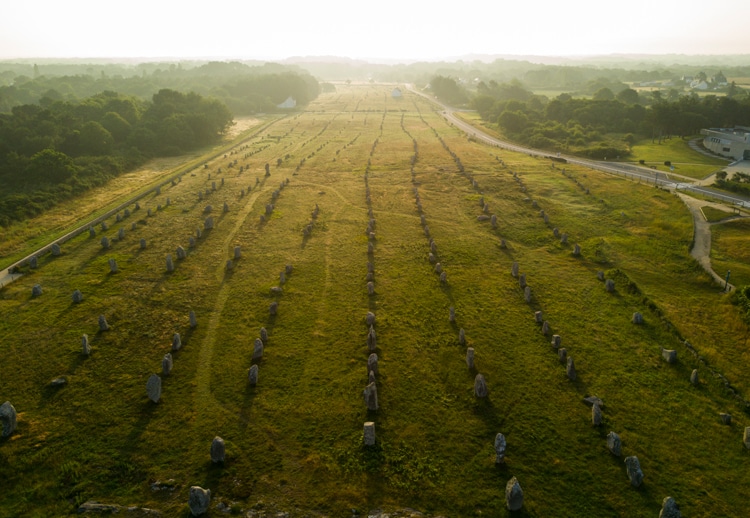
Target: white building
{"x": 396, "y": 93}
{"x": 729, "y": 142}
{"x": 289, "y": 103}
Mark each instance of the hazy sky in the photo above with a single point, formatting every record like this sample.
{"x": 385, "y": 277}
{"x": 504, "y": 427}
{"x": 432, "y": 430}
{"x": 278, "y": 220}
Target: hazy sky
{"x": 394, "y": 29}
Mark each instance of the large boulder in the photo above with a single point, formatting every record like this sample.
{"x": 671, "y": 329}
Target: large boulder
{"x": 218, "y": 451}
{"x": 153, "y": 388}
{"x": 8, "y": 418}
{"x": 199, "y": 501}
{"x": 633, "y": 468}
{"x": 513, "y": 495}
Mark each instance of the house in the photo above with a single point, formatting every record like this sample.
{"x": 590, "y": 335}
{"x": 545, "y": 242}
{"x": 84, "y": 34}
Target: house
{"x": 396, "y": 93}
{"x": 289, "y": 103}
{"x": 728, "y": 142}
{"x": 698, "y": 84}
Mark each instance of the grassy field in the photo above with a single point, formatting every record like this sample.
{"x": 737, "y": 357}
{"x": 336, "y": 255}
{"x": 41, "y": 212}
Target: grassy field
{"x": 686, "y": 162}
{"x": 730, "y": 250}
{"x": 294, "y": 441}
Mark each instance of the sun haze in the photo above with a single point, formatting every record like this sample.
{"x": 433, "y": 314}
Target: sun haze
{"x": 389, "y": 29}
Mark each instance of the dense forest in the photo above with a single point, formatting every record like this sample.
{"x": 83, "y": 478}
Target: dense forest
{"x": 243, "y": 88}
{"x": 48, "y": 153}
{"x": 69, "y": 127}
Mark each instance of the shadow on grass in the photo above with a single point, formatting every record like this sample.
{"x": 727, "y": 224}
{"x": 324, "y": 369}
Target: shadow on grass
{"x": 247, "y": 404}
{"x": 132, "y": 443}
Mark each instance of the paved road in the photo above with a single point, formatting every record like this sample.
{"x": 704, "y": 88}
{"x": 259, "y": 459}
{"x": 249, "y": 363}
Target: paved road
{"x": 635, "y": 172}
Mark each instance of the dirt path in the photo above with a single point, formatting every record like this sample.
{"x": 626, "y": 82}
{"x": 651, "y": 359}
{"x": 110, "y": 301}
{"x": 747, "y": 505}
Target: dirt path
{"x": 701, "y": 251}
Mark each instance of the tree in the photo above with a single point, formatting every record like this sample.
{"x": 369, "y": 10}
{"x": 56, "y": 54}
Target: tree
{"x": 50, "y": 166}
{"x": 604, "y": 94}
{"x": 628, "y": 96}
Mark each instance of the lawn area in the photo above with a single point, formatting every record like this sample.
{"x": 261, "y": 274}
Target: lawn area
{"x": 730, "y": 250}
{"x": 685, "y": 160}
{"x": 362, "y": 188}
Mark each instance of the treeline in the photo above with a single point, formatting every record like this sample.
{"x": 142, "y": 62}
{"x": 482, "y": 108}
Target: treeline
{"x": 49, "y": 153}
{"x": 605, "y": 125}
{"x": 245, "y": 89}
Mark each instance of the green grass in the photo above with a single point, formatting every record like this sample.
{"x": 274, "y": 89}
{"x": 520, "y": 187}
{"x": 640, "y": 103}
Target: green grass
{"x": 730, "y": 250}
{"x": 294, "y": 441}
{"x": 686, "y": 161}
{"x": 712, "y": 214}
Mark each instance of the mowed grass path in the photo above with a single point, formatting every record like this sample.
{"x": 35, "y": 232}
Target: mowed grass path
{"x": 294, "y": 441}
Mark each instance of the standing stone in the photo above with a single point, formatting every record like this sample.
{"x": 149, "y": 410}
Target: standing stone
{"x": 104, "y": 226}
{"x": 637, "y": 318}
{"x": 372, "y": 341}
{"x": 451, "y": 314}
{"x": 556, "y": 341}
{"x": 493, "y": 221}
{"x": 226, "y": 205}
{"x": 166, "y": 364}
{"x": 614, "y": 444}
{"x": 176, "y": 342}
{"x": 369, "y": 433}
{"x": 480, "y": 387}
{"x": 725, "y": 418}
{"x": 105, "y": 242}
{"x": 282, "y": 278}
{"x": 694, "y": 380}
{"x": 499, "y": 448}
{"x": 503, "y": 244}
{"x": 669, "y": 355}
{"x": 433, "y": 247}
{"x": 92, "y": 232}
{"x": 371, "y": 396}
{"x": 522, "y": 280}
{"x": 133, "y": 226}
{"x": 538, "y": 317}
{"x": 180, "y": 252}
{"x": 370, "y": 318}
{"x": 229, "y": 266}
{"x": 444, "y": 277}
{"x": 193, "y": 320}
{"x": 564, "y": 239}
{"x": 153, "y": 388}
{"x": 577, "y": 249}
{"x": 273, "y": 308}
{"x": 461, "y": 336}
{"x": 746, "y": 438}
{"x": 149, "y": 212}
{"x": 371, "y": 288}
{"x": 56, "y": 251}
{"x": 112, "y": 266}
{"x": 252, "y": 375}
{"x": 199, "y": 501}
{"x": 85, "y": 346}
{"x": 600, "y": 275}
{"x": 170, "y": 263}
{"x": 288, "y": 269}
{"x": 8, "y": 418}
{"x": 438, "y": 268}
{"x": 562, "y": 355}
{"x": 596, "y": 415}
{"x": 513, "y": 495}
{"x": 470, "y": 357}
{"x": 633, "y": 468}
{"x": 36, "y": 290}
{"x": 237, "y": 252}
{"x": 208, "y": 224}
{"x": 34, "y": 262}
{"x": 372, "y": 364}
{"x": 545, "y": 328}
{"x": 143, "y": 244}
{"x": 514, "y": 269}
{"x": 191, "y": 242}
{"x": 527, "y": 294}
{"x": 609, "y": 285}
{"x": 258, "y": 349}
{"x": 121, "y": 234}
{"x": 571, "y": 369}
{"x": 103, "y": 326}
{"x": 669, "y": 508}
{"x": 198, "y": 233}
{"x": 264, "y": 335}
{"x": 218, "y": 450}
